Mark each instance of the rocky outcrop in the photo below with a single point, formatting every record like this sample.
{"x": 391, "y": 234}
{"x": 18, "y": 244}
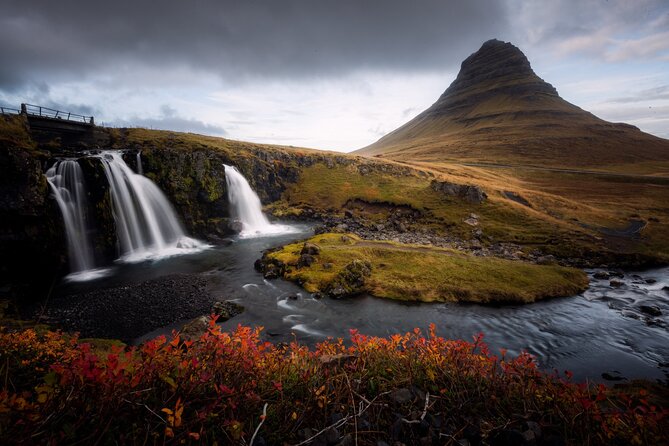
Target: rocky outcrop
{"x": 350, "y": 280}
{"x": 470, "y": 194}
{"x": 32, "y": 244}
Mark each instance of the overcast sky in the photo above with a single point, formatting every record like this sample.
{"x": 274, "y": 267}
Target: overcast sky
{"x": 325, "y": 74}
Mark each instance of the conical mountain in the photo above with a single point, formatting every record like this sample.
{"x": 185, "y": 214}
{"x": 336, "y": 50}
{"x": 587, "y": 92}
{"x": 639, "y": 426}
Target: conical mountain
{"x": 499, "y": 111}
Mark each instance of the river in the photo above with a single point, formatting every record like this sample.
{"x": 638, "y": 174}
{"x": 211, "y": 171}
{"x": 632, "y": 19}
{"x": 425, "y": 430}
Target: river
{"x": 601, "y": 331}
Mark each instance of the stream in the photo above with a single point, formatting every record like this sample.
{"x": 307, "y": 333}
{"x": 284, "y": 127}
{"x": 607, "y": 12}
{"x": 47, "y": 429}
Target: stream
{"x": 602, "y": 331}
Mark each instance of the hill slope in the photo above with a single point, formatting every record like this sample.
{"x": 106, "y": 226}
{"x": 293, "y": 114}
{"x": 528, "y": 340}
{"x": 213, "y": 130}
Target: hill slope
{"x": 499, "y": 111}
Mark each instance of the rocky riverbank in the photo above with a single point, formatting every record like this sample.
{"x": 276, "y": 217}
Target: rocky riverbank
{"x": 129, "y": 311}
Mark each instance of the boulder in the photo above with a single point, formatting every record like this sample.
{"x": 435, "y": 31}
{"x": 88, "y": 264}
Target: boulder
{"x": 305, "y": 260}
{"x": 350, "y": 281}
{"x": 470, "y": 194}
{"x": 310, "y": 249}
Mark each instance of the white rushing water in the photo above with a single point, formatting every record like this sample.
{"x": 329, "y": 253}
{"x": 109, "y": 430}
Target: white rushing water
{"x": 246, "y": 207}
{"x": 69, "y": 189}
{"x": 147, "y": 227}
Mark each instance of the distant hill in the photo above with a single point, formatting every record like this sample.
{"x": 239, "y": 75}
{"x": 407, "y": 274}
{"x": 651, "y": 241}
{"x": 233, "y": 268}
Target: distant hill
{"x": 499, "y": 111}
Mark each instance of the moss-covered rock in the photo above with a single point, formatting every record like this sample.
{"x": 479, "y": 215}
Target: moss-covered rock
{"x": 350, "y": 280}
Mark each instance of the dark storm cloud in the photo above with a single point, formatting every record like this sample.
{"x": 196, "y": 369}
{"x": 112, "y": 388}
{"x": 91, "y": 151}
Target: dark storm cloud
{"x": 66, "y": 40}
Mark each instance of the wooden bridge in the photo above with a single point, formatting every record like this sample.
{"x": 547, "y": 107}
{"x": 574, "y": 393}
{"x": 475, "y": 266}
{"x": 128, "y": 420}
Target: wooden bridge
{"x": 49, "y": 117}
{"x": 46, "y": 123}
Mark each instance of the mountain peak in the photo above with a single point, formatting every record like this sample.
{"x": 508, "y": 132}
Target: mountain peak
{"x": 498, "y": 109}
{"x": 500, "y": 67}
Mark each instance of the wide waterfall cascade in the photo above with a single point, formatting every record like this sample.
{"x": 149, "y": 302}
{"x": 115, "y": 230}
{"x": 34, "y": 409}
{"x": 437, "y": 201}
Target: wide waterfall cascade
{"x": 69, "y": 189}
{"x": 246, "y": 207}
{"x": 147, "y": 227}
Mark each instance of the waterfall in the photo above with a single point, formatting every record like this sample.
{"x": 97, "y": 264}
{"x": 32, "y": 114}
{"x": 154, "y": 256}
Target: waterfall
{"x": 147, "y": 226}
{"x": 69, "y": 189}
{"x": 140, "y": 168}
{"x": 246, "y": 207}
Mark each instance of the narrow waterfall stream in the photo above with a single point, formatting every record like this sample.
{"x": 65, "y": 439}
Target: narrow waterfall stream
{"x": 147, "y": 226}
{"x": 246, "y": 207}
{"x": 69, "y": 189}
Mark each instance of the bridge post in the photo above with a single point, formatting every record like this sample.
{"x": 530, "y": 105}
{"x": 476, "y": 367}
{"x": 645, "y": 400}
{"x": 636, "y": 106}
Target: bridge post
{"x": 24, "y": 109}
{"x": 92, "y": 121}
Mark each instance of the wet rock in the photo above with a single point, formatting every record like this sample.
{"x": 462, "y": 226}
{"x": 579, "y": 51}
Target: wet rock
{"x": 226, "y": 310}
{"x": 292, "y": 297}
{"x": 630, "y": 314}
{"x": 348, "y": 213}
{"x": 616, "y": 283}
{"x": 652, "y": 310}
{"x": 236, "y": 226}
{"x": 650, "y": 281}
{"x": 613, "y": 375}
{"x": 601, "y": 275}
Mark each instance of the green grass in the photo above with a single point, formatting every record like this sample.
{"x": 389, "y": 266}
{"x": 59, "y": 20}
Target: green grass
{"x": 421, "y": 273}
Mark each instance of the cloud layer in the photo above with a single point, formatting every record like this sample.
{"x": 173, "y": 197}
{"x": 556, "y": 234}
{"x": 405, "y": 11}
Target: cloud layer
{"x": 329, "y": 74}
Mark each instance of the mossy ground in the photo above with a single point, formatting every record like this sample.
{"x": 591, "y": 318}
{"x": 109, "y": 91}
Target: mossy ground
{"x": 563, "y": 217}
{"x": 422, "y": 273}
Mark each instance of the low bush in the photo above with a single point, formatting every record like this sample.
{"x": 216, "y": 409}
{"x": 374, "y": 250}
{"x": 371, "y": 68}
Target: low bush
{"x": 235, "y": 388}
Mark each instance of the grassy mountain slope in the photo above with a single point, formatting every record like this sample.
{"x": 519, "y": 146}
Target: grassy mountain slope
{"x": 499, "y": 111}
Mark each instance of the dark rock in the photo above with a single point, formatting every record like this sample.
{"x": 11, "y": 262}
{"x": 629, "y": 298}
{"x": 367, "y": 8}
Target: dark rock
{"x": 470, "y": 194}
{"x": 305, "y": 260}
{"x": 327, "y": 266}
{"x": 616, "y": 283}
{"x": 601, "y": 275}
{"x": 402, "y": 396}
{"x": 292, "y": 297}
{"x": 331, "y": 436}
{"x": 650, "y": 281}
{"x": 652, "y": 310}
{"x": 310, "y": 249}
{"x": 236, "y": 226}
{"x": 350, "y": 281}
{"x": 226, "y": 310}
{"x": 348, "y": 213}
{"x": 534, "y": 427}
{"x": 195, "y": 328}
{"x": 613, "y": 375}
{"x": 517, "y": 198}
